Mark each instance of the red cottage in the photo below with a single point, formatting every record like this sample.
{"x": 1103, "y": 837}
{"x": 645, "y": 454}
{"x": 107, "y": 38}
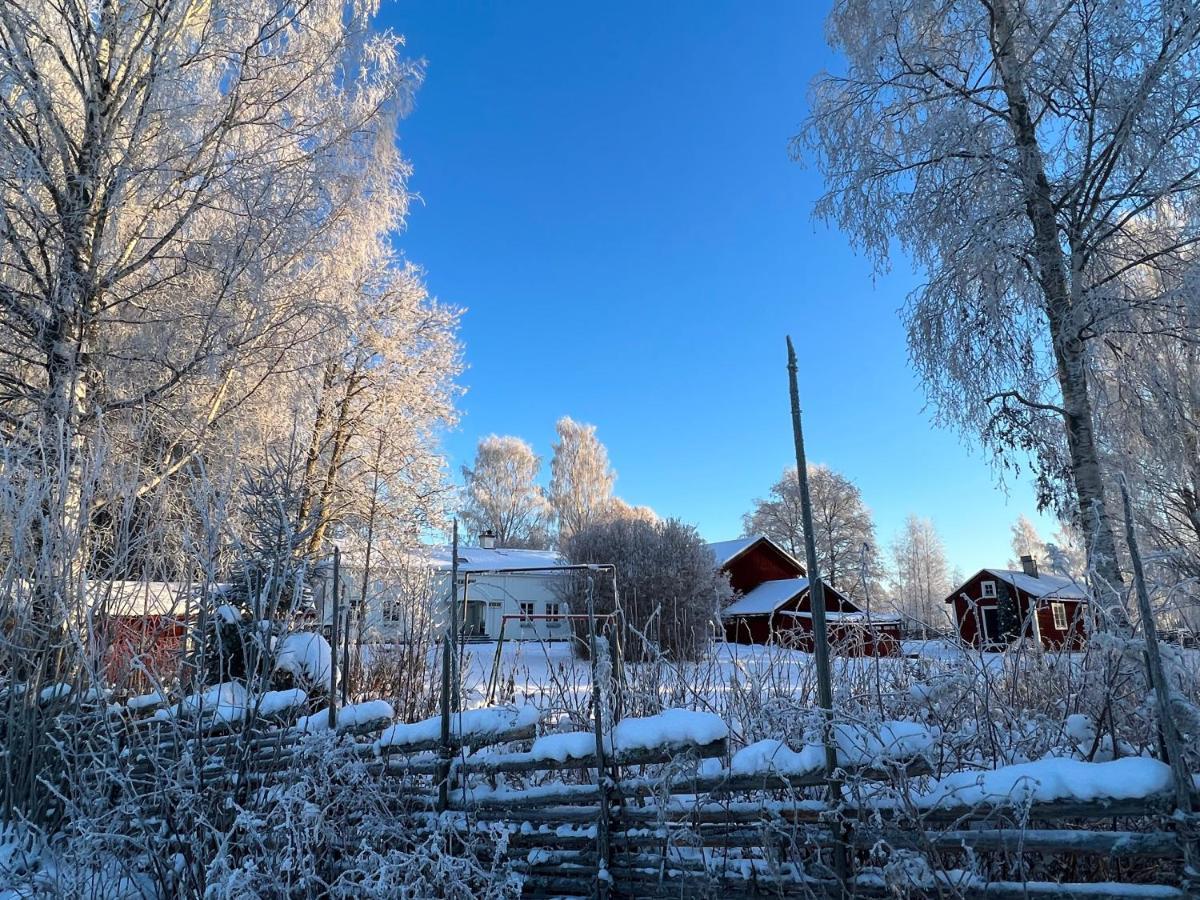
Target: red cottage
{"x": 995, "y": 607}
{"x": 775, "y": 604}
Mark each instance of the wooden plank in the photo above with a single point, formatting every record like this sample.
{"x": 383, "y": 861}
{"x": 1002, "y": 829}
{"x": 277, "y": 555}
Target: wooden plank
{"x": 1113, "y": 844}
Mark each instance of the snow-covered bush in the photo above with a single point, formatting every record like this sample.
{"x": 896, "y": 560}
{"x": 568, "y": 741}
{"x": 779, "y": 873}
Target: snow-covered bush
{"x": 670, "y": 594}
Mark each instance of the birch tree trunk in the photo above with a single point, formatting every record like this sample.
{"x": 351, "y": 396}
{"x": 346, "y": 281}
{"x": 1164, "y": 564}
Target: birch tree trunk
{"x": 1070, "y": 354}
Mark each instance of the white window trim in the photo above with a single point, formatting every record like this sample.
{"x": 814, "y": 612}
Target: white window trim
{"x": 525, "y": 622}
{"x": 984, "y": 586}
{"x": 1058, "y": 609}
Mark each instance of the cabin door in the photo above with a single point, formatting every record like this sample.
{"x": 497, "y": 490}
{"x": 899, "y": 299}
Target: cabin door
{"x": 991, "y": 626}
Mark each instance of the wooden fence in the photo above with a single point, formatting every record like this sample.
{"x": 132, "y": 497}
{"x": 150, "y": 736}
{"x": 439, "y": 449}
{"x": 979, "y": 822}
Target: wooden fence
{"x": 673, "y": 820}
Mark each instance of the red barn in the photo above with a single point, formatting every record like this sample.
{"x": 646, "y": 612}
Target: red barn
{"x": 996, "y": 607}
{"x": 775, "y": 604}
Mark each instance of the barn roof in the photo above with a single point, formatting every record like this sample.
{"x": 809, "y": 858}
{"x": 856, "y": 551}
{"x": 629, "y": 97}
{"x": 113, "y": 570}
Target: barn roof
{"x": 725, "y": 551}
{"x": 767, "y": 597}
{"x": 835, "y": 616}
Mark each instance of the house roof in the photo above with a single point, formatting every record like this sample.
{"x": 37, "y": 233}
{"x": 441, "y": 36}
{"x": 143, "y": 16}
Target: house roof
{"x": 1041, "y": 586}
{"x": 725, "y": 551}
{"x": 767, "y": 597}
{"x": 499, "y": 559}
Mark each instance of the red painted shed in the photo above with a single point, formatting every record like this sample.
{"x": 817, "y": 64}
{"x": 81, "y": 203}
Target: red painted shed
{"x": 141, "y": 627}
{"x": 995, "y": 607}
{"x": 775, "y": 604}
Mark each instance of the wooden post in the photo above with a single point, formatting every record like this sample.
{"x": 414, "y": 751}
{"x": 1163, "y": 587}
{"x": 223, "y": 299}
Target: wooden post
{"x": 455, "y": 627}
{"x": 602, "y": 825}
{"x": 816, "y": 593}
{"x": 1172, "y": 741}
{"x": 346, "y": 655}
{"x": 447, "y": 662}
{"x": 333, "y": 636}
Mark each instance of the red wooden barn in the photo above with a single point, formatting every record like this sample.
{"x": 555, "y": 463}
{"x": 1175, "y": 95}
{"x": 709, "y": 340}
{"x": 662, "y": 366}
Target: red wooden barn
{"x": 995, "y": 607}
{"x": 774, "y": 604}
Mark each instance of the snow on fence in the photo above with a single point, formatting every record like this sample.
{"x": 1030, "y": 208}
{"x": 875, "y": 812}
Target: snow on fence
{"x": 686, "y": 816}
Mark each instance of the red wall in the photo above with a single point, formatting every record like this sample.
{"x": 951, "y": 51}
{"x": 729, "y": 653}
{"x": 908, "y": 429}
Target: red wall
{"x": 155, "y": 641}
{"x": 761, "y": 562}
{"x": 845, "y": 639}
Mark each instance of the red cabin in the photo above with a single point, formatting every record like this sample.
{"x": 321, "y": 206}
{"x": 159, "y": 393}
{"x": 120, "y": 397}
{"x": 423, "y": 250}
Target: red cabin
{"x": 775, "y": 604}
{"x": 996, "y": 607}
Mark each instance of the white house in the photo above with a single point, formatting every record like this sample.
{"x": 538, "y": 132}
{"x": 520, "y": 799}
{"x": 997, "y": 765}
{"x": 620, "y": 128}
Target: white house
{"x": 521, "y": 591}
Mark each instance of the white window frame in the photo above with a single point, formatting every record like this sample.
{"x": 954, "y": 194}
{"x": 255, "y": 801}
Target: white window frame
{"x": 554, "y": 610}
{"x": 1059, "y": 612}
{"x": 528, "y": 608}
{"x": 987, "y": 586}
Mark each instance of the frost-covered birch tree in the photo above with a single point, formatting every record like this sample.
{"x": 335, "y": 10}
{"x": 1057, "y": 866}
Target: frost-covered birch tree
{"x": 581, "y": 479}
{"x": 844, "y": 530}
{"x": 1029, "y": 156}
{"x": 184, "y": 189}
{"x": 919, "y": 573}
{"x": 501, "y": 494}
{"x": 1026, "y": 541}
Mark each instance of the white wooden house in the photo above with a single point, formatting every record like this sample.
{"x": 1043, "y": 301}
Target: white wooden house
{"x": 521, "y": 591}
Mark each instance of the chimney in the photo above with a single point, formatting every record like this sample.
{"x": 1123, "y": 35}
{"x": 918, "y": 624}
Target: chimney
{"x": 487, "y": 540}
{"x": 1029, "y": 565}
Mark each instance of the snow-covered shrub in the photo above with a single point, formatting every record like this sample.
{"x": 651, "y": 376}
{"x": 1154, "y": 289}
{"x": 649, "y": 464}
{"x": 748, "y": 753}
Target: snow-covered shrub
{"x": 669, "y": 591}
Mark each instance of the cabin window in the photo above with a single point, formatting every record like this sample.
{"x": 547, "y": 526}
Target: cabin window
{"x": 393, "y": 611}
{"x": 989, "y": 590}
{"x": 526, "y": 614}
{"x": 1059, "y": 611}
{"x": 552, "y": 611}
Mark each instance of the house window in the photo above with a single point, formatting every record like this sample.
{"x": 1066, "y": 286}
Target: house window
{"x": 526, "y": 614}
{"x": 552, "y": 610}
{"x": 1059, "y": 611}
{"x": 989, "y": 590}
{"x": 393, "y": 611}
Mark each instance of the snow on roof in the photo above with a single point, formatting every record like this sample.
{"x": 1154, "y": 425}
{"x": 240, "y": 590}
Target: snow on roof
{"x": 767, "y": 597}
{"x": 479, "y": 559}
{"x": 143, "y": 598}
{"x": 724, "y": 551}
{"x": 832, "y": 615}
{"x": 1043, "y": 585}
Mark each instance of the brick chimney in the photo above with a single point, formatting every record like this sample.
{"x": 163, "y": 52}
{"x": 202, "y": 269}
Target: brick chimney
{"x": 1029, "y": 566}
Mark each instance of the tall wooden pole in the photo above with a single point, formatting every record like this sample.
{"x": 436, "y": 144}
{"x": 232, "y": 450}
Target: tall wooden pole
{"x": 816, "y": 593}
{"x": 447, "y": 662}
{"x": 1172, "y": 740}
{"x": 333, "y": 635}
{"x": 816, "y": 588}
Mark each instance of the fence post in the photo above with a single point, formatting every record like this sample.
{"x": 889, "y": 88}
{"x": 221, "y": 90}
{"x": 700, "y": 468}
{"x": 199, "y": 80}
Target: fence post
{"x": 333, "y": 636}
{"x": 602, "y": 827}
{"x": 447, "y": 662}
{"x": 816, "y": 593}
{"x": 1172, "y": 742}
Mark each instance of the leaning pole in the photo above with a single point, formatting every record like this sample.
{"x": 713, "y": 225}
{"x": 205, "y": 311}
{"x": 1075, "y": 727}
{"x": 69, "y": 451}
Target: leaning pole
{"x": 816, "y": 593}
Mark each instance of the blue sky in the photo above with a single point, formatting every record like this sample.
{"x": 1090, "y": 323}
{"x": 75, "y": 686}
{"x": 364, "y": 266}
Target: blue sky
{"x": 606, "y": 189}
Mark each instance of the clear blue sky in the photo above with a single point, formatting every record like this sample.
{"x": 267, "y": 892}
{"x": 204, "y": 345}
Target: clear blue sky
{"x": 606, "y": 189}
